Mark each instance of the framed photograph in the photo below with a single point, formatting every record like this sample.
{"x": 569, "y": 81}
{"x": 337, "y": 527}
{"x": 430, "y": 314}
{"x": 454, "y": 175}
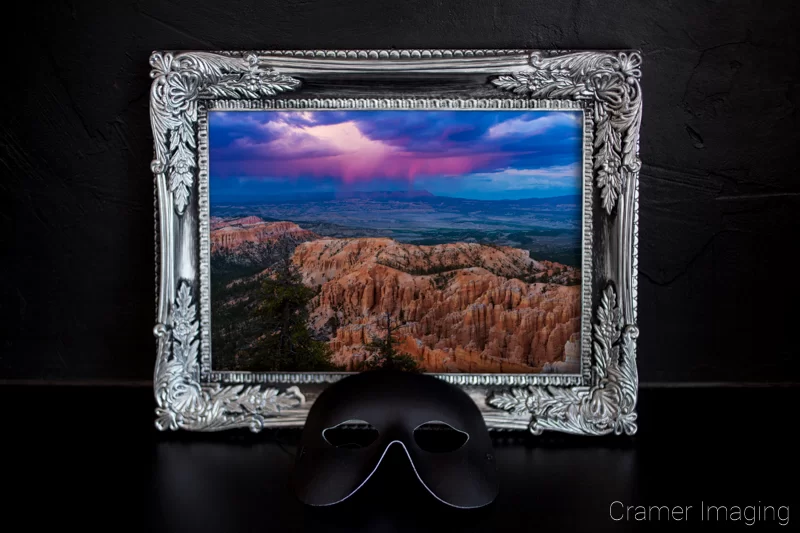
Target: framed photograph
{"x": 466, "y": 213}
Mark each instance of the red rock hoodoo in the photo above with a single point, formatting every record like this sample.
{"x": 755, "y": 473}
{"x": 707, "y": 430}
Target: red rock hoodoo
{"x": 458, "y": 307}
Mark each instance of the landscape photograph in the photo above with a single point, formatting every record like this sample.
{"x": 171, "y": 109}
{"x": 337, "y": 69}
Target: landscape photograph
{"x": 444, "y": 241}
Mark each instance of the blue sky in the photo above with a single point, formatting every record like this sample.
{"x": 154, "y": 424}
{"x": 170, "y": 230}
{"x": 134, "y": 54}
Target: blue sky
{"x": 489, "y": 155}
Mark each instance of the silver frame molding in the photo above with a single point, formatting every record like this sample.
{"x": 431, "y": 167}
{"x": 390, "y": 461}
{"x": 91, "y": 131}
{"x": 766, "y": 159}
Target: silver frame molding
{"x": 207, "y": 372}
{"x": 605, "y": 85}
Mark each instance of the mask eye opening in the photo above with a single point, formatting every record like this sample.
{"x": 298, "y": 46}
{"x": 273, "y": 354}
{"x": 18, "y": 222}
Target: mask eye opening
{"x": 436, "y": 436}
{"x": 350, "y": 434}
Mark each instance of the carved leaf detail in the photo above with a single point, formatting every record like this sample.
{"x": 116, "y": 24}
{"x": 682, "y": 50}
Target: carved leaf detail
{"x": 184, "y": 403}
{"x": 178, "y": 82}
{"x": 612, "y": 82}
{"x": 554, "y": 401}
{"x": 516, "y": 83}
{"x": 608, "y": 406}
{"x": 515, "y": 401}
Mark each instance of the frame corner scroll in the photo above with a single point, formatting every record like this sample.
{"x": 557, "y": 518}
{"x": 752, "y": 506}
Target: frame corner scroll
{"x": 609, "y": 406}
{"x": 184, "y": 403}
{"x": 179, "y": 81}
{"x": 610, "y": 80}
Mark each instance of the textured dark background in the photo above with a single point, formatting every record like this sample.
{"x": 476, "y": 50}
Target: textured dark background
{"x": 719, "y": 191}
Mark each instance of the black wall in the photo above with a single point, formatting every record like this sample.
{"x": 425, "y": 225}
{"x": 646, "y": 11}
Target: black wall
{"x": 719, "y": 190}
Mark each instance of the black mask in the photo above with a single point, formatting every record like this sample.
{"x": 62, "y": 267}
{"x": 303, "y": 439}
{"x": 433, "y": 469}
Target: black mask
{"x": 397, "y": 405}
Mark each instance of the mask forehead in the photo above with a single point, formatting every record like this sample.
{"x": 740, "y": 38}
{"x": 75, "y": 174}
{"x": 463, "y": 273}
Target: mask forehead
{"x": 388, "y": 400}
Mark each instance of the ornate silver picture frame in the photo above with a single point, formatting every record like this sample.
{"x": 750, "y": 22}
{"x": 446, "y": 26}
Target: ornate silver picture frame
{"x": 602, "y": 85}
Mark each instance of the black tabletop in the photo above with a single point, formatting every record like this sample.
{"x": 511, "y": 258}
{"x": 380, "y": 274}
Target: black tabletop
{"x": 90, "y": 456}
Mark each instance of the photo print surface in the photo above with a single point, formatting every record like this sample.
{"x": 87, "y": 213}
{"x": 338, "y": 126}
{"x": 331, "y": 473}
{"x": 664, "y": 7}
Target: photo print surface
{"x": 420, "y": 240}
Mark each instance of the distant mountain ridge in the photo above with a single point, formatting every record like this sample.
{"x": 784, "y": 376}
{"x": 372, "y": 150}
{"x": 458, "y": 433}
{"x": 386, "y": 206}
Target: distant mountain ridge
{"x": 383, "y": 195}
{"x": 421, "y": 195}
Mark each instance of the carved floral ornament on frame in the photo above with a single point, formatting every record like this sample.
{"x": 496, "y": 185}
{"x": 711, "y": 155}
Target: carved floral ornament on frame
{"x": 602, "y": 85}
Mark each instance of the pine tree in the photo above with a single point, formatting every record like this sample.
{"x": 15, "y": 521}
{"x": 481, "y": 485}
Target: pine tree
{"x": 384, "y": 356}
{"x": 286, "y": 343}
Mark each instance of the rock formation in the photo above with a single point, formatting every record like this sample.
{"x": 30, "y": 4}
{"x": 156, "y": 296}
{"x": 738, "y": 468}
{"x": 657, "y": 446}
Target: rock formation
{"x": 230, "y": 234}
{"x": 459, "y": 307}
